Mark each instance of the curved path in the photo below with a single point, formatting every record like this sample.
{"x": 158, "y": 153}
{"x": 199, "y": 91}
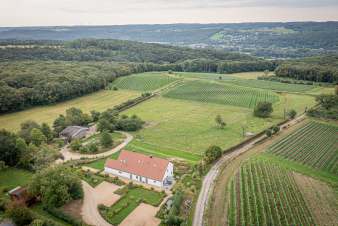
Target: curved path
{"x": 90, "y": 213}
{"x": 69, "y": 155}
{"x": 208, "y": 181}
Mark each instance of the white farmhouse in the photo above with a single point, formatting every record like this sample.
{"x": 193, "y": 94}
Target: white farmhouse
{"x": 142, "y": 168}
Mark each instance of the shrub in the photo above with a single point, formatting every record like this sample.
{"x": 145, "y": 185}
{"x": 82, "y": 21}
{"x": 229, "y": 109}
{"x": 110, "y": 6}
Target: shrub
{"x": 20, "y": 214}
{"x": 92, "y": 148}
{"x": 291, "y": 114}
{"x": 263, "y": 109}
{"x": 268, "y": 132}
{"x": 106, "y": 139}
{"x": 275, "y": 129}
{"x": 212, "y": 153}
{"x": 75, "y": 145}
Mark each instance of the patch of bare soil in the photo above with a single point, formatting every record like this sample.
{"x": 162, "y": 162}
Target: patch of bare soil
{"x": 320, "y": 199}
{"x": 73, "y": 209}
{"x": 143, "y": 215}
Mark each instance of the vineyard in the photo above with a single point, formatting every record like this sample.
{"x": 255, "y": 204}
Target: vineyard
{"x": 277, "y": 86}
{"x": 266, "y": 194}
{"x": 143, "y": 82}
{"x": 221, "y": 94}
{"x": 314, "y": 145}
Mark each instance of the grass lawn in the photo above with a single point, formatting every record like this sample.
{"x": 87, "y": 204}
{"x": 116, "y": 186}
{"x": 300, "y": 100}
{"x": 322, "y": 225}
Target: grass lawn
{"x": 99, "y": 164}
{"x": 179, "y": 127}
{"x": 131, "y": 198}
{"x": 98, "y": 101}
{"x": 12, "y": 177}
{"x": 215, "y": 76}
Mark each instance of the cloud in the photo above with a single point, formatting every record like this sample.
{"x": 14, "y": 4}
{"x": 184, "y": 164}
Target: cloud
{"x": 82, "y": 12}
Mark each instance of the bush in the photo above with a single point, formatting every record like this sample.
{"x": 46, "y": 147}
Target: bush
{"x": 92, "y": 148}
{"x": 275, "y": 129}
{"x": 263, "y": 109}
{"x": 61, "y": 215}
{"x": 20, "y": 214}
{"x": 212, "y": 153}
{"x": 268, "y": 132}
{"x": 75, "y": 145}
{"x": 106, "y": 139}
{"x": 291, "y": 114}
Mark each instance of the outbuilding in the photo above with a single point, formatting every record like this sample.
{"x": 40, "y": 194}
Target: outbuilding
{"x": 73, "y": 132}
{"x": 141, "y": 168}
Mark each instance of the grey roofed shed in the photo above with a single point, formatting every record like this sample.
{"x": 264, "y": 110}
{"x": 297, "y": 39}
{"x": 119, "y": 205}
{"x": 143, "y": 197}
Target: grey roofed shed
{"x": 74, "y": 132}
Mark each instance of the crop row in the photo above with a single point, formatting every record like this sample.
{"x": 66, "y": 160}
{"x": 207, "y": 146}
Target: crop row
{"x": 265, "y": 194}
{"x": 143, "y": 82}
{"x": 222, "y": 94}
{"x": 315, "y": 145}
{"x": 277, "y": 86}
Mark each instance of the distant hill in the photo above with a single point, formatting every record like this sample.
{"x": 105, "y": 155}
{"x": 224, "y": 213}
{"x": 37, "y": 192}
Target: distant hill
{"x": 271, "y": 40}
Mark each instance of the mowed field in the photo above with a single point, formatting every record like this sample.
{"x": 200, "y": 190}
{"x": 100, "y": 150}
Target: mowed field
{"x": 149, "y": 81}
{"x": 184, "y": 129}
{"x": 314, "y": 145}
{"x": 98, "y": 101}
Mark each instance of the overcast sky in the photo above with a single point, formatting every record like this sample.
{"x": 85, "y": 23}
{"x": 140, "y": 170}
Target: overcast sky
{"x": 109, "y": 12}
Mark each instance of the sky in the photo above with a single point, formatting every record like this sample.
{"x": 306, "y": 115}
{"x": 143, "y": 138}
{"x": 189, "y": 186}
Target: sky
{"x": 110, "y": 12}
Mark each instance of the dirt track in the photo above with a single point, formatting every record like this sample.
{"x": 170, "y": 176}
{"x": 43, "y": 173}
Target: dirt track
{"x": 228, "y": 163}
{"x": 102, "y": 194}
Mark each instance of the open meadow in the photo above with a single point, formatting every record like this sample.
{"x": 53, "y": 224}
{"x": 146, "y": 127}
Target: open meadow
{"x": 98, "y": 101}
{"x": 188, "y": 127}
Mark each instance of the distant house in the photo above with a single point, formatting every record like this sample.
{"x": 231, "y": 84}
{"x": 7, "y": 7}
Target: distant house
{"x": 73, "y": 132}
{"x": 142, "y": 168}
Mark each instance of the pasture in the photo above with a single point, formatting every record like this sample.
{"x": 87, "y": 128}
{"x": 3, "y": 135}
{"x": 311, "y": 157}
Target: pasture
{"x": 262, "y": 193}
{"x": 98, "y": 101}
{"x": 144, "y": 82}
{"x": 184, "y": 129}
{"x": 314, "y": 145}
{"x": 221, "y": 94}
{"x": 270, "y": 85}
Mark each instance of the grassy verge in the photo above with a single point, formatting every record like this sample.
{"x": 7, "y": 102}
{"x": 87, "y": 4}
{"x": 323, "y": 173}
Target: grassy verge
{"x": 99, "y": 164}
{"x": 41, "y": 213}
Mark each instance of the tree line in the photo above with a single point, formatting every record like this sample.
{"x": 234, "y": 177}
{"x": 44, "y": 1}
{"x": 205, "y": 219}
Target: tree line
{"x": 315, "y": 69}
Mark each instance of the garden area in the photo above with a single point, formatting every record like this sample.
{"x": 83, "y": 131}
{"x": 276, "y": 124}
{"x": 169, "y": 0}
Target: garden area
{"x": 97, "y": 143}
{"x": 131, "y": 196}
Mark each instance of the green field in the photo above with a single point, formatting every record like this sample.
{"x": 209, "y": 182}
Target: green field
{"x": 176, "y": 128}
{"x": 314, "y": 145}
{"x": 98, "y": 101}
{"x": 131, "y": 198}
{"x": 12, "y": 177}
{"x": 149, "y": 81}
{"x": 209, "y": 76}
{"x": 262, "y": 193}
{"x": 221, "y": 94}
{"x": 277, "y": 86}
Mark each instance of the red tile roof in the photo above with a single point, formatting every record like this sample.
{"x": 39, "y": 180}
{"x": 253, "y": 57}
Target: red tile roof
{"x": 139, "y": 164}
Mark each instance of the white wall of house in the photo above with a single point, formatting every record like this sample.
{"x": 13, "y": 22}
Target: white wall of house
{"x": 134, "y": 177}
{"x": 169, "y": 171}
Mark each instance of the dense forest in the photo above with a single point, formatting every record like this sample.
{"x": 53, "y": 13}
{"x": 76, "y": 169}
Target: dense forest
{"x": 316, "y": 69}
{"x": 45, "y": 72}
{"x": 270, "y": 40}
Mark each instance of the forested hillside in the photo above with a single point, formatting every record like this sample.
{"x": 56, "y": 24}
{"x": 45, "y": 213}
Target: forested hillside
{"x": 44, "y": 72}
{"x": 270, "y": 40}
{"x": 316, "y": 69}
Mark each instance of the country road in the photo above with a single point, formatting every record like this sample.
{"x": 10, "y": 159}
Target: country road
{"x": 69, "y": 155}
{"x": 209, "y": 179}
